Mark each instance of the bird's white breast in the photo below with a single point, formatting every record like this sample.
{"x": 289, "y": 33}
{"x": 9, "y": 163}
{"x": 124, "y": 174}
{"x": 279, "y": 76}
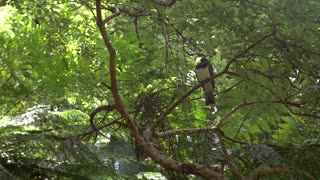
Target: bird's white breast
{"x": 203, "y": 74}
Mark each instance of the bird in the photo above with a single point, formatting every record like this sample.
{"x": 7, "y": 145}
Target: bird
{"x": 204, "y": 71}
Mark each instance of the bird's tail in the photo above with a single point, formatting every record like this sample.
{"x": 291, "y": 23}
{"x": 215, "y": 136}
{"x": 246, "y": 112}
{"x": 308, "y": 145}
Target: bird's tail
{"x": 210, "y": 98}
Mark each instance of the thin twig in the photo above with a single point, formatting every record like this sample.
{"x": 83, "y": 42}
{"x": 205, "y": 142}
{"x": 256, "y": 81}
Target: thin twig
{"x": 235, "y": 109}
{"x": 194, "y": 88}
{"x": 226, "y": 155}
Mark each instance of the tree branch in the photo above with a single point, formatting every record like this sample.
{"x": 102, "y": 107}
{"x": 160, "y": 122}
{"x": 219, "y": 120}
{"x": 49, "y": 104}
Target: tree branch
{"x": 112, "y": 68}
{"x": 225, "y": 70}
{"x": 232, "y": 139}
{"x": 140, "y": 141}
{"x": 97, "y": 110}
{"x": 235, "y": 109}
{"x": 227, "y": 157}
{"x": 241, "y": 105}
{"x": 161, "y": 119}
{"x": 115, "y": 13}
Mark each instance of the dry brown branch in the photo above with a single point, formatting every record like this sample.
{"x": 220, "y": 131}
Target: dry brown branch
{"x": 140, "y": 141}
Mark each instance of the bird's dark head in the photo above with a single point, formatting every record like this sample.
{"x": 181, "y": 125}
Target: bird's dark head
{"x": 204, "y": 59}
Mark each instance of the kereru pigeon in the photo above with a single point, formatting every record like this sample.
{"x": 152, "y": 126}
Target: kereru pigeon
{"x": 204, "y": 71}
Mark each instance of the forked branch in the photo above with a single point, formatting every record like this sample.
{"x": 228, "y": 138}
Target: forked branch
{"x": 161, "y": 119}
{"x": 140, "y": 140}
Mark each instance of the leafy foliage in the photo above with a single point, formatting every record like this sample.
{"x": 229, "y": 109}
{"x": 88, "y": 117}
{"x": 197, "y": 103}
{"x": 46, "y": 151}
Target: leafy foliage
{"x": 55, "y": 73}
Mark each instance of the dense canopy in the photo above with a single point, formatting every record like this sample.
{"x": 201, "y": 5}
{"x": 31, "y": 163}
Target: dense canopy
{"x": 107, "y": 89}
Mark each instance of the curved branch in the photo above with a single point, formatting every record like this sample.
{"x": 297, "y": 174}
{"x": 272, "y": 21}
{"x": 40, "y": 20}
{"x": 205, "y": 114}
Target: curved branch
{"x": 241, "y": 105}
{"x": 97, "y": 110}
{"x": 288, "y": 105}
{"x": 194, "y": 88}
{"x": 112, "y": 68}
{"x": 235, "y": 109}
{"x": 225, "y": 70}
{"x": 140, "y": 141}
{"x": 115, "y": 13}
